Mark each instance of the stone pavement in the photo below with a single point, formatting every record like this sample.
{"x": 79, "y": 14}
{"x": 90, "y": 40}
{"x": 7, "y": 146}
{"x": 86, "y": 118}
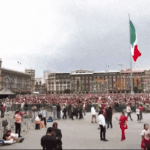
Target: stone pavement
{"x": 82, "y": 134}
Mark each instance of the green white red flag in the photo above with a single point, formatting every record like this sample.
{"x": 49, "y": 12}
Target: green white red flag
{"x": 133, "y": 41}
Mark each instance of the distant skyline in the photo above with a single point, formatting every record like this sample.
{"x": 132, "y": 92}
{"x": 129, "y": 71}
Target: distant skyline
{"x": 63, "y": 35}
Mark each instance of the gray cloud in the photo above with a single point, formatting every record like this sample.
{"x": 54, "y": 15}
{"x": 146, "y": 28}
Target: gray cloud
{"x": 62, "y": 36}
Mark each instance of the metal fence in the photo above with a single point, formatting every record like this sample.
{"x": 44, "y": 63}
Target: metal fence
{"x": 26, "y": 126}
{"x": 16, "y": 107}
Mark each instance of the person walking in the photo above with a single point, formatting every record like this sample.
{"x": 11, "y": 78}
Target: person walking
{"x": 102, "y": 124}
{"x": 128, "y": 109}
{"x": 93, "y": 112}
{"x": 18, "y": 121}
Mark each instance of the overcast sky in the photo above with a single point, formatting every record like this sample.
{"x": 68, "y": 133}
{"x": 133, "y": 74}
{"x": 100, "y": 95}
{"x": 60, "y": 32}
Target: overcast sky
{"x": 65, "y": 35}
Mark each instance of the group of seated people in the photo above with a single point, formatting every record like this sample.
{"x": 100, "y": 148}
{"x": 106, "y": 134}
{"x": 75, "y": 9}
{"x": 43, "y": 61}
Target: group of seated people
{"x": 10, "y": 138}
{"x": 52, "y": 139}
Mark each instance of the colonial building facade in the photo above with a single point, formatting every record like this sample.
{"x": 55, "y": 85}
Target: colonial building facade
{"x": 85, "y": 81}
{"x": 17, "y": 82}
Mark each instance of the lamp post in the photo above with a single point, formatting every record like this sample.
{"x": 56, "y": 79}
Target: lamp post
{"x": 107, "y": 66}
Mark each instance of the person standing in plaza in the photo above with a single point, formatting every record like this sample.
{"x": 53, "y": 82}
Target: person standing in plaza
{"x": 58, "y": 135}
{"x": 64, "y": 112}
{"x": 123, "y": 125}
{"x": 48, "y": 141}
{"x": 43, "y": 112}
{"x": 109, "y": 117}
{"x": 128, "y": 109}
{"x": 102, "y": 124}
{"x": 138, "y": 113}
{"x": 145, "y": 143}
{"x": 54, "y": 108}
{"x": 80, "y": 112}
{"x": 58, "y": 111}
{"x": 84, "y": 109}
{"x": 72, "y": 111}
{"x": 93, "y": 112}
{"x": 3, "y": 108}
{"x": 141, "y": 110}
{"x": 69, "y": 110}
{"x": 18, "y": 121}
{"x": 76, "y": 110}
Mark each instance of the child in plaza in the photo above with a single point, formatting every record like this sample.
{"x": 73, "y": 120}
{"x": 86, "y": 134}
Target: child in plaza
{"x": 145, "y": 144}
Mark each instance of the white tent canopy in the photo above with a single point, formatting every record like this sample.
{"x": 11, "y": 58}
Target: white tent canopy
{"x": 6, "y": 91}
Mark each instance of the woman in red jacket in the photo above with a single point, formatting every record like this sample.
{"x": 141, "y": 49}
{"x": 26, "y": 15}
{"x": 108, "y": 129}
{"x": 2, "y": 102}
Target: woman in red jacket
{"x": 123, "y": 125}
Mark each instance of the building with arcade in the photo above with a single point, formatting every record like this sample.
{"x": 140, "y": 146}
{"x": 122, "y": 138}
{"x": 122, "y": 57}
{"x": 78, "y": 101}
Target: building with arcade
{"x": 85, "y": 81}
{"x": 17, "y": 82}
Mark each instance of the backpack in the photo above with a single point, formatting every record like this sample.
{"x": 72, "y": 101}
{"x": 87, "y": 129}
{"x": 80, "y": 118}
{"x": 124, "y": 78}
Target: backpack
{"x": 50, "y": 119}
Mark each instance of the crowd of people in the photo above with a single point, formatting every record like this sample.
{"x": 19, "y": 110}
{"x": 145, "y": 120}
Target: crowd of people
{"x": 110, "y": 99}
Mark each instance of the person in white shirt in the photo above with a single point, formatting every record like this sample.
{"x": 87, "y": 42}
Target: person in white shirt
{"x": 43, "y": 113}
{"x": 128, "y": 109}
{"x": 84, "y": 109}
{"x": 138, "y": 113}
{"x": 102, "y": 124}
{"x": 145, "y": 143}
{"x": 93, "y": 112}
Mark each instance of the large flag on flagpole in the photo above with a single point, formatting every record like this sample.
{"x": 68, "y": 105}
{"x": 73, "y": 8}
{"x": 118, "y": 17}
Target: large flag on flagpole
{"x": 133, "y": 41}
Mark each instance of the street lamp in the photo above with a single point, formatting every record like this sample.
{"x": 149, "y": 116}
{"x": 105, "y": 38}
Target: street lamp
{"x": 107, "y": 66}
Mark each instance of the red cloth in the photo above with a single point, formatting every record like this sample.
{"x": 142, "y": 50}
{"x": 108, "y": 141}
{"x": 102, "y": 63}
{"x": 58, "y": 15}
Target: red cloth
{"x": 144, "y": 143}
{"x": 3, "y": 108}
{"x": 140, "y": 108}
{"x": 122, "y": 127}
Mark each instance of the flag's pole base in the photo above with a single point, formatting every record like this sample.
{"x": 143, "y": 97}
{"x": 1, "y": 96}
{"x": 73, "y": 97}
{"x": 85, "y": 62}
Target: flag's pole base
{"x": 132, "y": 92}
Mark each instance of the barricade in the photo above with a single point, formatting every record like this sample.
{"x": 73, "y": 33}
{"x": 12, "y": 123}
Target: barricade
{"x": 27, "y": 124}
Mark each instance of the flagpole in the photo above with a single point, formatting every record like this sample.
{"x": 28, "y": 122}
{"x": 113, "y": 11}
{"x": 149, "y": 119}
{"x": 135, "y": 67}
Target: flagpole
{"x": 131, "y": 77}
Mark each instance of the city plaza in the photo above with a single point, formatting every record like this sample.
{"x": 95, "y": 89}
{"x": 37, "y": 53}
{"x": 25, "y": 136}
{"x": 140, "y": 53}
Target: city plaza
{"x": 65, "y": 54}
{"x": 82, "y": 134}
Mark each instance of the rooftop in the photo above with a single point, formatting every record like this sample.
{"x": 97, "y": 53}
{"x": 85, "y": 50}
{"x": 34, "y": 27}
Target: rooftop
{"x": 14, "y": 71}
{"x": 129, "y": 71}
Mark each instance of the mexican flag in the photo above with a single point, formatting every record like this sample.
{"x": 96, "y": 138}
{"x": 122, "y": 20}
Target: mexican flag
{"x": 133, "y": 41}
